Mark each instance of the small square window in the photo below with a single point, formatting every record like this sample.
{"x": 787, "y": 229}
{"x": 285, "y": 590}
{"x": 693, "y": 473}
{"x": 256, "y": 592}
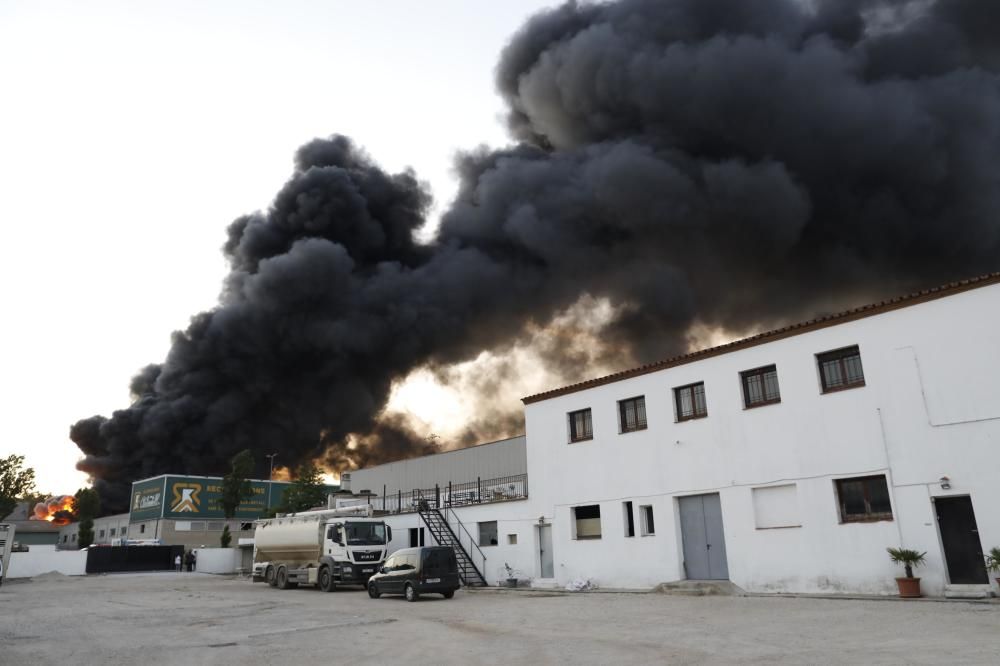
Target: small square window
{"x": 864, "y": 499}
{"x": 632, "y": 413}
{"x": 689, "y": 402}
{"x": 587, "y": 522}
{"x": 488, "y": 533}
{"x": 511, "y": 539}
{"x": 580, "y": 426}
{"x": 648, "y": 527}
{"x": 760, "y": 386}
{"x": 841, "y": 369}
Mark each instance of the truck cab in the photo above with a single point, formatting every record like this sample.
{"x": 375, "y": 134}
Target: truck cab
{"x": 357, "y": 548}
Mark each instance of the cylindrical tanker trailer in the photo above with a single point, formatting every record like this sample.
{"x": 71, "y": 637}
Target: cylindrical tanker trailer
{"x": 321, "y": 548}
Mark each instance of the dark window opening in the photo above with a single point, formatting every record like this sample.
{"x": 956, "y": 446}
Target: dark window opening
{"x": 633, "y": 414}
{"x": 580, "y": 426}
{"x": 864, "y": 498}
{"x": 587, "y": 520}
{"x": 690, "y": 401}
{"x": 841, "y": 369}
{"x": 760, "y": 386}
{"x": 629, "y": 519}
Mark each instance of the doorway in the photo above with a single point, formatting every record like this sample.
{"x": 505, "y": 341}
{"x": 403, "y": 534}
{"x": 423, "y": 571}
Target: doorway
{"x": 963, "y": 552}
{"x": 545, "y": 567}
{"x": 702, "y": 536}
{"x": 416, "y": 537}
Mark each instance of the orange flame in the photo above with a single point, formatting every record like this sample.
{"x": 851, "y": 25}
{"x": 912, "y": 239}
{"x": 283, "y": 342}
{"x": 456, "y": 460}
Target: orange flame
{"x": 55, "y": 510}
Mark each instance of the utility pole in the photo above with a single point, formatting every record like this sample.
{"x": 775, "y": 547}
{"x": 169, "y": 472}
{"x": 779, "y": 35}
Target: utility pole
{"x": 270, "y": 474}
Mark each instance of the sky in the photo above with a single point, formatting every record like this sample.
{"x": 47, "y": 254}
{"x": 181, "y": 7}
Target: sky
{"x": 132, "y": 134}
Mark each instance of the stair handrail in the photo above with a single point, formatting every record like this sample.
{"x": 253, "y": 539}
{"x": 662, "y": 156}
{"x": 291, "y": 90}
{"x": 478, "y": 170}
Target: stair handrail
{"x": 471, "y": 540}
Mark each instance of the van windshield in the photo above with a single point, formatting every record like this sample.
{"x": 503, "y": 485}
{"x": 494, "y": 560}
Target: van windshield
{"x": 365, "y": 534}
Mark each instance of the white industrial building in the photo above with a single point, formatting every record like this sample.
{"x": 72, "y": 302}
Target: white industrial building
{"x": 785, "y": 462}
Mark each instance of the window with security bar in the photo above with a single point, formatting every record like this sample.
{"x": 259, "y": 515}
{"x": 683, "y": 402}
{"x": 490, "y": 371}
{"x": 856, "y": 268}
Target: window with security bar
{"x": 760, "y": 386}
{"x": 864, "y": 499}
{"x": 632, "y": 413}
{"x": 690, "y": 401}
{"x": 580, "y": 426}
{"x": 841, "y": 369}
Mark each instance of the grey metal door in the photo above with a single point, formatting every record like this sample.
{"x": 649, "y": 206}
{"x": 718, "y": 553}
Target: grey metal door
{"x": 701, "y": 533}
{"x": 545, "y": 551}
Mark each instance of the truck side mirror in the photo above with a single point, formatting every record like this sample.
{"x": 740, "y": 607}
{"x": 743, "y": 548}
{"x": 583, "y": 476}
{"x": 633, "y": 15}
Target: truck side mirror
{"x": 388, "y": 534}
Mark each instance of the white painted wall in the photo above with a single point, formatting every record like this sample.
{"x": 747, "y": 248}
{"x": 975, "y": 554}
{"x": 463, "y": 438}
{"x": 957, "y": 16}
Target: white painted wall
{"x": 512, "y": 518}
{"x": 930, "y": 408}
{"x": 218, "y": 560}
{"x": 45, "y": 559}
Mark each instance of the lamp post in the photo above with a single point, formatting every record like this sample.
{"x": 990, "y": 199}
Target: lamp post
{"x": 270, "y": 473}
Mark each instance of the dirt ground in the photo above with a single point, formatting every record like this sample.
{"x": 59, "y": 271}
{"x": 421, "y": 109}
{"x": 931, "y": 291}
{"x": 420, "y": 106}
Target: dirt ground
{"x": 173, "y": 618}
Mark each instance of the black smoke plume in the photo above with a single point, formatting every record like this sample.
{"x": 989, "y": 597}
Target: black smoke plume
{"x": 719, "y": 162}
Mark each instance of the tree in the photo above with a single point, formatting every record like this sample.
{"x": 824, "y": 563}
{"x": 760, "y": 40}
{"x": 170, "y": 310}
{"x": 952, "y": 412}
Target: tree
{"x": 236, "y": 487}
{"x": 86, "y": 506}
{"x": 307, "y": 490}
{"x": 15, "y": 481}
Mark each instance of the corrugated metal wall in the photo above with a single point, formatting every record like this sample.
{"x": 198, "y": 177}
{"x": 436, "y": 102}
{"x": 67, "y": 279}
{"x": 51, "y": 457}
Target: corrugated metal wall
{"x": 486, "y": 461}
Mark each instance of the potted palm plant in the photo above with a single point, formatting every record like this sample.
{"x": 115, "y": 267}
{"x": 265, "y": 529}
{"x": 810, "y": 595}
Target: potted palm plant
{"x": 909, "y": 586}
{"x": 993, "y": 561}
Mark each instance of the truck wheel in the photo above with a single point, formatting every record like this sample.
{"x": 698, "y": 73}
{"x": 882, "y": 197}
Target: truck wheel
{"x": 326, "y": 582}
{"x": 449, "y": 594}
{"x": 373, "y": 591}
{"x": 281, "y": 578}
{"x": 269, "y": 577}
{"x": 411, "y": 593}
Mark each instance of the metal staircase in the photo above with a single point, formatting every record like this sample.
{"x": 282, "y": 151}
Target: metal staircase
{"x": 443, "y": 533}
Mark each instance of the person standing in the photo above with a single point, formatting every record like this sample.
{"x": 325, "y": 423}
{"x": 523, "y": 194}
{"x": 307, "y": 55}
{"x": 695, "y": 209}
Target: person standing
{"x": 177, "y": 562}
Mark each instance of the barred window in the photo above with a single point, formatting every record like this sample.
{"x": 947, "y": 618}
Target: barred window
{"x": 760, "y": 386}
{"x": 690, "y": 401}
{"x": 580, "y": 426}
{"x": 841, "y": 369}
{"x": 633, "y": 414}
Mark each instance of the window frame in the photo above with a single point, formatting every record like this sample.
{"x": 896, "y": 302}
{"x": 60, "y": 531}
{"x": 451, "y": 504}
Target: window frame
{"x": 647, "y": 522}
{"x": 629, "y": 519}
{"x": 643, "y": 425}
{"x": 573, "y": 439}
{"x": 869, "y": 516}
{"x": 694, "y": 403}
{"x": 496, "y": 533}
{"x": 839, "y": 355}
{"x": 755, "y": 372}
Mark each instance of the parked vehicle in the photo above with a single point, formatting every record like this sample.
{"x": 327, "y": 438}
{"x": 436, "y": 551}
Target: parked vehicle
{"x": 415, "y": 571}
{"x": 322, "y": 548}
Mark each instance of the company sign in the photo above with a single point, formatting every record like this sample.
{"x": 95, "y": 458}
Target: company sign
{"x": 196, "y": 498}
{"x": 147, "y": 500}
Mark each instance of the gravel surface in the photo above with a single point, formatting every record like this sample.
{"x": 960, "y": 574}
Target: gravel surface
{"x": 172, "y": 618}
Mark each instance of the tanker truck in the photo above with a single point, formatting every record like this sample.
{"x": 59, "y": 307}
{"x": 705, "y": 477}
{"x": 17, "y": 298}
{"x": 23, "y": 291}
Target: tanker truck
{"x": 323, "y": 548}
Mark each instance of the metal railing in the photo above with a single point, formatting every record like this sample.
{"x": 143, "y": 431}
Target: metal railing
{"x": 473, "y": 550}
{"x": 480, "y": 491}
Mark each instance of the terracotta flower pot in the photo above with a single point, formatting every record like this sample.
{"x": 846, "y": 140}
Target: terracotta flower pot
{"x": 908, "y": 587}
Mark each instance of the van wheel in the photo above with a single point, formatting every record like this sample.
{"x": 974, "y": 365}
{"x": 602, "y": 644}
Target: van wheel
{"x": 269, "y": 577}
{"x": 281, "y": 578}
{"x": 449, "y": 594}
{"x": 411, "y": 592}
{"x": 373, "y": 591}
{"x": 326, "y": 582}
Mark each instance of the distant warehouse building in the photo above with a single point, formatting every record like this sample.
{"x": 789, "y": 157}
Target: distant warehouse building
{"x": 186, "y": 510}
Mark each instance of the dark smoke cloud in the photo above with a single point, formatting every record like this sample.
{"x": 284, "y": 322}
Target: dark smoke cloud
{"x": 721, "y": 162}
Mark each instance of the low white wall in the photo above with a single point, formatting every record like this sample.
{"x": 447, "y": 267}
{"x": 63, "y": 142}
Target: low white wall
{"x": 45, "y": 559}
{"x": 218, "y": 560}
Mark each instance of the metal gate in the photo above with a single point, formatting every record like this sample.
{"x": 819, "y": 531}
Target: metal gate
{"x": 704, "y": 543}
{"x": 963, "y": 551}
{"x": 105, "y": 559}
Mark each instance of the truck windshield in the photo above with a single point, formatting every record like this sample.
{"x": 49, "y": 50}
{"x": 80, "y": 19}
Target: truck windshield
{"x": 365, "y": 534}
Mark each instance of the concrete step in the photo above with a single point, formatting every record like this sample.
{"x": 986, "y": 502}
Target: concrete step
{"x": 700, "y": 588}
{"x": 967, "y": 591}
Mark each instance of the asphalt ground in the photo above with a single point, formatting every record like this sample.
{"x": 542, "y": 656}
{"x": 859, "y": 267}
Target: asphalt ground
{"x": 180, "y": 618}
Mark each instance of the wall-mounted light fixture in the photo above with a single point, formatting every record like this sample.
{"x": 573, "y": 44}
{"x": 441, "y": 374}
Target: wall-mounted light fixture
{"x": 945, "y": 483}
{"x": 541, "y": 520}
